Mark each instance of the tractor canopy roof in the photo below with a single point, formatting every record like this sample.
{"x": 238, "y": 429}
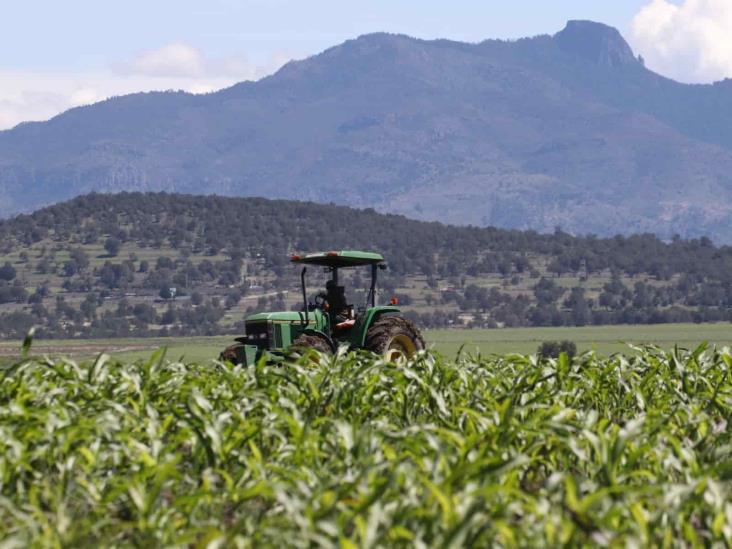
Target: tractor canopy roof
{"x": 344, "y": 258}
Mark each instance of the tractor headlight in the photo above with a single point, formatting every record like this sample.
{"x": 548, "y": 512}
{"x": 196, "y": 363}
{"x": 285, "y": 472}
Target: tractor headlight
{"x": 257, "y": 333}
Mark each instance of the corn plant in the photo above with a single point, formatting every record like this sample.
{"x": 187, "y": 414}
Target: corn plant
{"x": 350, "y": 451}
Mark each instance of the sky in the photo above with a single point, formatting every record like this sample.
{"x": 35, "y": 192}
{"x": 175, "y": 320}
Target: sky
{"x": 56, "y": 55}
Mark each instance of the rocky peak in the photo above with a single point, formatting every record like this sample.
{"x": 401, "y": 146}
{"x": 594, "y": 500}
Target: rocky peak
{"x": 596, "y": 42}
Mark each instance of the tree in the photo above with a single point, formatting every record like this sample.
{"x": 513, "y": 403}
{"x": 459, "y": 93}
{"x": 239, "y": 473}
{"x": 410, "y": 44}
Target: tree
{"x": 112, "y": 245}
{"x": 44, "y": 266}
{"x": 164, "y": 262}
{"x": 115, "y": 275}
{"x": 80, "y": 259}
{"x": 555, "y": 266}
{"x": 579, "y": 305}
{"x": 547, "y": 292}
{"x": 89, "y": 306}
{"x": 12, "y": 294}
{"x": 123, "y": 308}
{"x": 232, "y": 299}
{"x": 169, "y": 316}
{"x": 552, "y": 349}
{"x": 7, "y": 272}
{"x": 144, "y": 313}
{"x": 69, "y": 268}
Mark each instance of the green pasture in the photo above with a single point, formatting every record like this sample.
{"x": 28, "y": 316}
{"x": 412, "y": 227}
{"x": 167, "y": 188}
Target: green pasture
{"x": 604, "y": 340}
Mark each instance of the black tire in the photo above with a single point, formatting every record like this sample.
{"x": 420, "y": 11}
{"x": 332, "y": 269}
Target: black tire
{"x": 304, "y": 342}
{"x": 234, "y": 354}
{"x": 394, "y": 336}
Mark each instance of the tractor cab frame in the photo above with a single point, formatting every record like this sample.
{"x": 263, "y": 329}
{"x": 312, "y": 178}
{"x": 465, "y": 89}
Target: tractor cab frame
{"x": 333, "y": 262}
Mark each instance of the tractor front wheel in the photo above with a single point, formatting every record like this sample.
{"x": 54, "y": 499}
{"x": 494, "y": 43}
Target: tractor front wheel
{"x": 234, "y": 354}
{"x": 394, "y": 337}
{"x": 303, "y": 342}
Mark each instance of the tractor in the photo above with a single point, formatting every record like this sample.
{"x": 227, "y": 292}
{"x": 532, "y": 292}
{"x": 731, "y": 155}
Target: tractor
{"x": 329, "y": 322}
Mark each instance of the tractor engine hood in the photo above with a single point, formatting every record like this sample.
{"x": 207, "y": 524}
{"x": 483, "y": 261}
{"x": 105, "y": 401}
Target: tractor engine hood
{"x": 277, "y": 330}
{"x": 281, "y": 316}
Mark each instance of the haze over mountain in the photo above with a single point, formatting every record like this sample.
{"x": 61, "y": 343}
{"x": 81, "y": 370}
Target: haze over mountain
{"x": 568, "y": 130}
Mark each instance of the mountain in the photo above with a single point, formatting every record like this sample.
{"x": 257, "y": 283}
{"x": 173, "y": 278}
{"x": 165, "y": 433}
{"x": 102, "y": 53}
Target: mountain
{"x": 568, "y": 130}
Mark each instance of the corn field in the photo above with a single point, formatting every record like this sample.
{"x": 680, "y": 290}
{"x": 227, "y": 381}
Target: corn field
{"x": 350, "y": 451}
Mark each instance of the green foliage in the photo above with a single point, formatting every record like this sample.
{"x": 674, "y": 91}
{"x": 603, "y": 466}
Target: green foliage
{"x": 7, "y": 272}
{"x": 552, "y": 349}
{"x": 112, "y": 245}
{"x": 349, "y": 450}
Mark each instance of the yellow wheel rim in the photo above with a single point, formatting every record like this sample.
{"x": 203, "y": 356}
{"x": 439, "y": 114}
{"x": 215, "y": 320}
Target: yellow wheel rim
{"x": 400, "y": 346}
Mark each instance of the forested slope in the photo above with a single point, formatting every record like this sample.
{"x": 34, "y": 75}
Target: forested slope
{"x": 138, "y": 264}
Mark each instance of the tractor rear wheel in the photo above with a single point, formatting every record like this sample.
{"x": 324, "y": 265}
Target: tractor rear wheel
{"x": 234, "y": 354}
{"x": 303, "y": 342}
{"x": 394, "y": 337}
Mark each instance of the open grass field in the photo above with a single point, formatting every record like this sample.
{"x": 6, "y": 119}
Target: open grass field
{"x": 604, "y": 340}
{"x": 626, "y": 451}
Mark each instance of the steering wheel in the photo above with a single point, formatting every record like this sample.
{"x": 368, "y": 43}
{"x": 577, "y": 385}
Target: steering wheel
{"x": 321, "y": 300}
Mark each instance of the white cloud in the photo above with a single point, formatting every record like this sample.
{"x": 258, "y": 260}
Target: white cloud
{"x": 84, "y": 96}
{"x": 38, "y": 96}
{"x": 180, "y": 60}
{"x": 690, "y": 41}
{"x": 26, "y": 95}
{"x": 20, "y": 103}
{"x": 173, "y": 60}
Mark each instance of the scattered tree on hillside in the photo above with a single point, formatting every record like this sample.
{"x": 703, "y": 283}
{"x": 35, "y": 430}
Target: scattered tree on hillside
{"x": 7, "y": 272}
{"x": 112, "y": 245}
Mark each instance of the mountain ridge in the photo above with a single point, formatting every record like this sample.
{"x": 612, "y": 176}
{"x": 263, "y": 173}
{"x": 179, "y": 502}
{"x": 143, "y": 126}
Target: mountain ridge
{"x": 569, "y": 129}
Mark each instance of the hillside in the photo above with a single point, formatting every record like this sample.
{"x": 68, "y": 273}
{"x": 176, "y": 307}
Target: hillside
{"x": 104, "y": 266}
{"x": 568, "y": 130}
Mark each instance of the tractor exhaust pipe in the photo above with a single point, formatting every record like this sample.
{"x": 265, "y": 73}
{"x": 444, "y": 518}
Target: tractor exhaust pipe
{"x": 304, "y": 295}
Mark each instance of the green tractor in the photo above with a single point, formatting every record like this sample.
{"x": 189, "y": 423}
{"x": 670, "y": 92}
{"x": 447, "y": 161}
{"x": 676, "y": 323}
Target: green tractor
{"x": 329, "y": 321}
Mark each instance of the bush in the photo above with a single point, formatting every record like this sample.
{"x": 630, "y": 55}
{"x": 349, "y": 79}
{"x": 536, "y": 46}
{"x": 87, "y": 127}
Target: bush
{"x": 552, "y": 349}
{"x": 7, "y": 272}
{"x": 12, "y": 294}
{"x": 232, "y": 299}
{"x": 144, "y": 313}
{"x": 112, "y": 245}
